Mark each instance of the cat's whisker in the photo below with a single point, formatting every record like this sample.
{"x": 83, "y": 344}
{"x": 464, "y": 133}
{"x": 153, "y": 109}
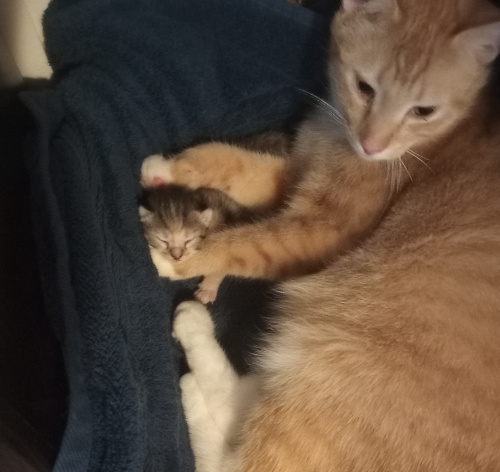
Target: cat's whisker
{"x": 393, "y": 179}
{"x": 328, "y": 107}
{"x": 416, "y": 154}
{"x": 405, "y": 168}
{"x": 399, "y": 174}
{"x": 419, "y": 158}
{"x": 389, "y": 178}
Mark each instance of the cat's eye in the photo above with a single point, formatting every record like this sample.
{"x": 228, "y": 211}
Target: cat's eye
{"x": 423, "y": 112}
{"x": 365, "y": 89}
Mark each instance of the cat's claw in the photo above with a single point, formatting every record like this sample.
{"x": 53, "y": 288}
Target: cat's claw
{"x": 156, "y": 171}
{"x": 191, "y": 319}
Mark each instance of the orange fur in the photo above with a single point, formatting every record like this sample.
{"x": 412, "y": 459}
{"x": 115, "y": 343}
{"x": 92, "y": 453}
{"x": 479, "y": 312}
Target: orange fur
{"x": 387, "y": 360}
{"x": 251, "y": 178}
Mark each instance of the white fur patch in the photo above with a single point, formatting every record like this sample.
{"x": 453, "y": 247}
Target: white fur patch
{"x": 156, "y": 167}
{"x": 215, "y": 399}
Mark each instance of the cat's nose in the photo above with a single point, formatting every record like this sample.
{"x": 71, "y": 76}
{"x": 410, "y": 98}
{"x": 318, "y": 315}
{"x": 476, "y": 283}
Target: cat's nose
{"x": 371, "y": 146}
{"x": 176, "y": 252}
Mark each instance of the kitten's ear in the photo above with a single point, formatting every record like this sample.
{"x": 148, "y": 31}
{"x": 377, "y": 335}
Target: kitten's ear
{"x": 145, "y": 215}
{"x": 206, "y": 216}
{"x": 482, "y": 41}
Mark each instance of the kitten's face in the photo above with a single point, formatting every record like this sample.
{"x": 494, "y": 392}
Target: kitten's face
{"x": 175, "y": 240}
{"x": 401, "y": 85}
{"x": 174, "y": 229}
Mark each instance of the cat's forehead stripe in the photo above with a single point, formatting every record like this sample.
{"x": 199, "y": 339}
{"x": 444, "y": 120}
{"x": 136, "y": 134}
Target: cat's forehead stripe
{"x": 420, "y": 37}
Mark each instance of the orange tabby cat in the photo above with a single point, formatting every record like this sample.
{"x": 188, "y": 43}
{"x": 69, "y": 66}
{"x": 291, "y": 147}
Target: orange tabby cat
{"x": 388, "y": 359}
{"x": 397, "y": 100}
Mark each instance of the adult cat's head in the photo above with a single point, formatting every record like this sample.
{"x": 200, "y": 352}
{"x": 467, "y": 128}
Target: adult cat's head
{"x": 406, "y": 71}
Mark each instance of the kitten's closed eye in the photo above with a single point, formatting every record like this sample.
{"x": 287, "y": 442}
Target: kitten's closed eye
{"x": 164, "y": 241}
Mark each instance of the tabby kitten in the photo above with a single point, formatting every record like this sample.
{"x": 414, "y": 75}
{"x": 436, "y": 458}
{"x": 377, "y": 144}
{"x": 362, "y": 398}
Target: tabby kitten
{"x": 394, "y": 102}
{"x": 177, "y": 219}
{"x": 387, "y": 359}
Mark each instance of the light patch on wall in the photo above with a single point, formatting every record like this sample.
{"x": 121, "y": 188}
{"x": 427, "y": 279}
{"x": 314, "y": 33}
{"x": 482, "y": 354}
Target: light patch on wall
{"x": 21, "y": 40}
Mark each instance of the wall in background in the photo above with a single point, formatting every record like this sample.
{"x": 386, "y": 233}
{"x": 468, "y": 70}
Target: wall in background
{"x": 21, "y": 41}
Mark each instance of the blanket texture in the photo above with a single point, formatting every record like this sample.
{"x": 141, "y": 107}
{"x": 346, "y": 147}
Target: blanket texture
{"x": 131, "y": 78}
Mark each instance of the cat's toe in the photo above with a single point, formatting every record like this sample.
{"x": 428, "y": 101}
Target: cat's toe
{"x": 191, "y": 319}
{"x": 205, "y": 296}
{"x": 156, "y": 171}
{"x": 208, "y": 288}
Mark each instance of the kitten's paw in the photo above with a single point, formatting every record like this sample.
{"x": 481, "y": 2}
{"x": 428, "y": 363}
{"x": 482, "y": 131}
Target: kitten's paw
{"x": 191, "y": 319}
{"x": 156, "y": 171}
{"x": 164, "y": 266}
{"x": 208, "y": 288}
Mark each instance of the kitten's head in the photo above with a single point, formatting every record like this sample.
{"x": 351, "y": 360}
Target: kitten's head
{"x": 175, "y": 220}
{"x": 407, "y": 71}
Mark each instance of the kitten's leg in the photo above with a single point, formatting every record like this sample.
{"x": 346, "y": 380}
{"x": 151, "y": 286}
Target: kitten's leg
{"x": 251, "y": 178}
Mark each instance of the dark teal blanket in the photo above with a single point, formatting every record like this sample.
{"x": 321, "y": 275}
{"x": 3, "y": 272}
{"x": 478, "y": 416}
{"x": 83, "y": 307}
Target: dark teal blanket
{"x": 135, "y": 77}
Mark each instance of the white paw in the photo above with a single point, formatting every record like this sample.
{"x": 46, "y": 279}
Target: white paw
{"x": 191, "y": 319}
{"x": 156, "y": 170}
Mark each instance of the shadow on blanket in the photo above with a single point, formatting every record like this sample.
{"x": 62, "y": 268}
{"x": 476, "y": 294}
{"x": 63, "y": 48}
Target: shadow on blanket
{"x": 134, "y": 77}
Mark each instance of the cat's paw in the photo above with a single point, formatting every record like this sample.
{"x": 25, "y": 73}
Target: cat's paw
{"x": 191, "y": 319}
{"x": 156, "y": 171}
{"x": 208, "y": 288}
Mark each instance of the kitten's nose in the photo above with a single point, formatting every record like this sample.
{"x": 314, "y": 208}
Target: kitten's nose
{"x": 176, "y": 252}
{"x": 371, "y": 146}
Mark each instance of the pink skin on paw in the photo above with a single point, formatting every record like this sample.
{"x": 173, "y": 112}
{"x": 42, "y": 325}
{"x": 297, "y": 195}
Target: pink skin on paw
{"x": 158, "y": 182}
{"x": 155, "y": 182}
{"x": 207, "y": 290}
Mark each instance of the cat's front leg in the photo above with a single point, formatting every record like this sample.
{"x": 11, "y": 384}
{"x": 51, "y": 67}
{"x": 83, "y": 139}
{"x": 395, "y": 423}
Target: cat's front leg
{"x": 194, "y": 328}
{"x": 207, "y": 442}
{"x": 274, "y": 248}
{"x": 208, "y": 288}
{"x": 213, "y": 395}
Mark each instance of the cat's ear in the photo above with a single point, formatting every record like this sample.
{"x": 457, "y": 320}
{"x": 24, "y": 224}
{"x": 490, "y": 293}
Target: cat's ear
{"x": 370, "y": 6}
{"x": 206, "y": 216}
{"x": 482, "y": 41}
{"x": 145, "y": 215}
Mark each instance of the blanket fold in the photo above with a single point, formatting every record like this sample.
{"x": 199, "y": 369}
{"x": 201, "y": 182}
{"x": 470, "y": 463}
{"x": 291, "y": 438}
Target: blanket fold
{"x": 135, "y": 77}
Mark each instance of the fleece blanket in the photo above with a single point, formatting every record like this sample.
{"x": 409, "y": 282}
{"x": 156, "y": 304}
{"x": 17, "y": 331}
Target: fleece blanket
{"x": 131, "y": 78}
